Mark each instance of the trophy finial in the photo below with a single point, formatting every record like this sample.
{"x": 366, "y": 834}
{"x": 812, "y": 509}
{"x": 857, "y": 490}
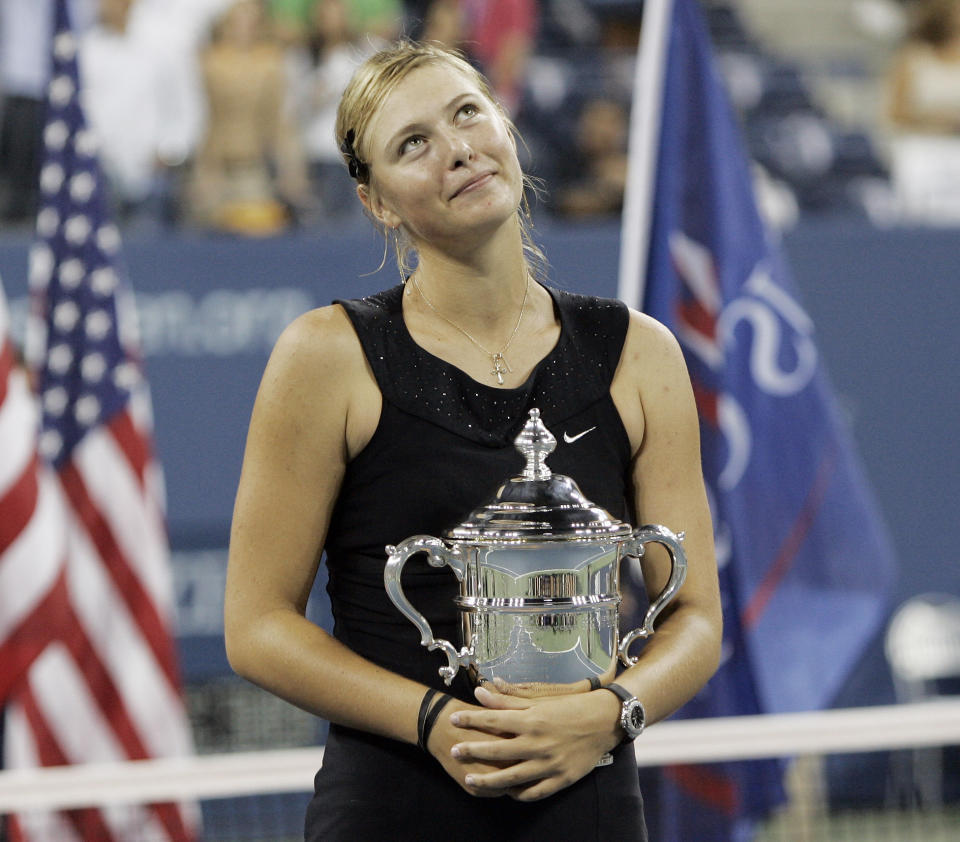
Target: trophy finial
{"x": 535, "y": 442}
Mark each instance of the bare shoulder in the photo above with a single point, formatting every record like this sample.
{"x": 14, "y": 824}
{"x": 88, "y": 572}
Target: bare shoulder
{"x": 318, "y": 350}
{"x": 323, "y": 333}
{"x": 317, "y": 375}
{"x": 651, "y": 351}
{"x": 651, "y": 378}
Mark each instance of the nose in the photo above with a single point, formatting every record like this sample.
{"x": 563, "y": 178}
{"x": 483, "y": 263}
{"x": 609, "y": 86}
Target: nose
{"x": 460, "y": 153}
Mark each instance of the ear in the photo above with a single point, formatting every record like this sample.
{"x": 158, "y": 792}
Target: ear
{"x": 376, "y": 207}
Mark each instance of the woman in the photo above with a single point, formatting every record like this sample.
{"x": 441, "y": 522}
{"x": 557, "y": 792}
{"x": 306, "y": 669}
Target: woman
{"x": 249, "y": 170}
{"x": 924, "y": 83}
{"x": 923, "y": 90}
{"x": 394, "y": 415}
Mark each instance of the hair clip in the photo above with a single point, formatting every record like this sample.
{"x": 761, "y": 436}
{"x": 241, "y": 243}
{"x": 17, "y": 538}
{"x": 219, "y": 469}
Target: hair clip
{"x": 358, "y": 169}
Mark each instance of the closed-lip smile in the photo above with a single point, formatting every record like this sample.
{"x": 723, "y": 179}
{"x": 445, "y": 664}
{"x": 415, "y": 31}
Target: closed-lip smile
{"x": 477, "y": 180}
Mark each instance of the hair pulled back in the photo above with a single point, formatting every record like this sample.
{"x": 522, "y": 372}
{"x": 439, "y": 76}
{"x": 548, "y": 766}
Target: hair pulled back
{"x": 374, "y": 80}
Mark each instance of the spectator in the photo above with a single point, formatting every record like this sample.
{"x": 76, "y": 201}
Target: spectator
{"x": 178, "y": 27}
{"x": 925, "y": 81}
{"x": 249, "y": 176}
{"x": 342, "y": 34}
{"x": 319, "y": 78}
{"x": 596, "y": 172}
{"x": 924, "y": 111}
{"x": 379, "y": 20}
{"x": 25, "y": 27}
{"x": 140, "y": 103}
{"x": 445, "y": 23}
{"x": 291, "y": 21}
{"x": 498, "y": 34}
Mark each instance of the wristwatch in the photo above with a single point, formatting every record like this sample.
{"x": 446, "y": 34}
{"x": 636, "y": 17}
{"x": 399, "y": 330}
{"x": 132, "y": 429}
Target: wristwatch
{"x": 633, "y": 718}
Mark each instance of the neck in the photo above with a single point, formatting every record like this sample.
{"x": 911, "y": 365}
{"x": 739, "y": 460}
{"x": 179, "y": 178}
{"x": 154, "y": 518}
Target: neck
{"x": 482, "y": 288}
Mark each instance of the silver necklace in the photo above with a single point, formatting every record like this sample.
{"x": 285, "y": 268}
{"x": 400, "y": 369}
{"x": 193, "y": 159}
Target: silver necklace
{"x": 500, "y": 365}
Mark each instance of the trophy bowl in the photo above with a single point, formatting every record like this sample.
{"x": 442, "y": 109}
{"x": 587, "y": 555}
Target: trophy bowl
{"x": 539, "y": 569}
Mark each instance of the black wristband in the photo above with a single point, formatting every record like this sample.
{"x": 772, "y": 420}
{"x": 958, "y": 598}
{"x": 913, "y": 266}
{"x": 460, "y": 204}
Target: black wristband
{"x": 621, "y": 693}
{"x": 432, "y": 719}
{"x": 422, "y": 716}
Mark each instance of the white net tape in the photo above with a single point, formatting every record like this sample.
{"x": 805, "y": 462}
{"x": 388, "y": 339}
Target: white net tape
{"x": 869, "y": 729}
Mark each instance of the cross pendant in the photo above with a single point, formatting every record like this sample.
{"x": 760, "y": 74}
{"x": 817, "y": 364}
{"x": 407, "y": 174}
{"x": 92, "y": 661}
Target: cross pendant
{"x": 499, "y": 367}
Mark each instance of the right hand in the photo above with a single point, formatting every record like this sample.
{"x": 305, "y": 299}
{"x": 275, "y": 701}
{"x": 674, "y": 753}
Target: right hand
{"x": 445, "y": 735}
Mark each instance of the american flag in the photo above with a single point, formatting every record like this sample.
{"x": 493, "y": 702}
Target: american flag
{"x": 89, "y": 667}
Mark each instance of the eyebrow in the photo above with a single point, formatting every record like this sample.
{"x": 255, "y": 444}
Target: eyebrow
{"x": 417, "y": 125}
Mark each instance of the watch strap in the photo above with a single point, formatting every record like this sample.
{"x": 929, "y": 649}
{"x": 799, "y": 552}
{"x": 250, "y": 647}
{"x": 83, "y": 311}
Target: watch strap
{"x": 629, "y": 702}
{"x": 622, "y": 692}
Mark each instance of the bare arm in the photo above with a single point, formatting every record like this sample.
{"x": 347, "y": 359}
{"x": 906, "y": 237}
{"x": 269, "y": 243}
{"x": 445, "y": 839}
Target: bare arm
{"x": 317, "y": 406}
{"x": 294, "y": 461}
{"x": 668, "y": 487}
{"x": 899, "y": 92}
{"x": 559, "y": 739}
{"x": 904, "y": 112}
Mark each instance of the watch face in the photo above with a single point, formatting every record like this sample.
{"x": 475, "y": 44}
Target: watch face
{"x": 633, "y": 718}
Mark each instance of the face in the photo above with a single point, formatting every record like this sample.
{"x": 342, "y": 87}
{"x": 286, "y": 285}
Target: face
{"x": 442, "y": 160}
{"x": 602, "y": 128}
{"x": 114, "y": 14}
{"x": 241, "y": 24}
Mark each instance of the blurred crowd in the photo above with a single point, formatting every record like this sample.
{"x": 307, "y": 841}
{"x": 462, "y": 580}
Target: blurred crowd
{"x": 219, "y": 113}
{"x": 924, "y": 113}
{"x": 925, "y": 78}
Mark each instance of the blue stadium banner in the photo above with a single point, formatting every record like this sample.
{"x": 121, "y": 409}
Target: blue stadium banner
{"x": 806, "y": 565}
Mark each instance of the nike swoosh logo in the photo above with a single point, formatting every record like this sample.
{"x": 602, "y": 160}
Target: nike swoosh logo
{"x": 571, "y": 439}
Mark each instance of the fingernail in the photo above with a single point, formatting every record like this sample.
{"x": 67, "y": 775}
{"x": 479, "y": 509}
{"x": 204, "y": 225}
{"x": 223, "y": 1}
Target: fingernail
{"x": 455, "y": 719}
{"x": 469, "y": 780}
{"x": 455, "y": 751}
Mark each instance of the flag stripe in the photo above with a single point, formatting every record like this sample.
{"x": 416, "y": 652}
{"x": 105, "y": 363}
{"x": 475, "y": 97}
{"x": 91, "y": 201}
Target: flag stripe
{"x": 792, "y": 544}
{"x": 6, "y": 363}
{"x": 84, "y": 726}
{"x": 30, "y": 565}
{"x": 129, "y": 587}
{"x": 18, "y": 428}
{"x": 105, "y": 687}
{"x": 40, "y": 626}
{"x": 18, "y": 503}
{"x": 154, "y": 707}
{"x": 20, "y": 747}
{"x": 132, "y": 444}
{"x": 137, "y": 523}
{"x": 88, "y": 823}
{"x": 715, "y": 789}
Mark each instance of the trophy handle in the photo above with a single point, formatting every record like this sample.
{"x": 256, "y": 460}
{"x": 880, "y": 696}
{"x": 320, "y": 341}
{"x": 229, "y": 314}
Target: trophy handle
{"x": 634, "y": 547}
{"x": 438, "y": 554}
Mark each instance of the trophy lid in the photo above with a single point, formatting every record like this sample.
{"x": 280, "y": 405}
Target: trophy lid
{"x": 538, "y": 505}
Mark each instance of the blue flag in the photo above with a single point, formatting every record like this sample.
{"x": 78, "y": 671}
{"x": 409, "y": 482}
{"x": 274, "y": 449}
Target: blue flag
{"x": 806, "y": 566}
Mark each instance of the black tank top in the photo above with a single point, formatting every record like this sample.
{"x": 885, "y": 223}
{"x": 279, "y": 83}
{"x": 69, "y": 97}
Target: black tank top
{"x": 443, "y": 445}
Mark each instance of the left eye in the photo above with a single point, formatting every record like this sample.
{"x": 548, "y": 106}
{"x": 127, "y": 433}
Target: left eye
{"x": 469, "y": 109}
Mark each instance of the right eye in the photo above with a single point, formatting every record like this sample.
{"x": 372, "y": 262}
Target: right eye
{"x": 411, "y": 143}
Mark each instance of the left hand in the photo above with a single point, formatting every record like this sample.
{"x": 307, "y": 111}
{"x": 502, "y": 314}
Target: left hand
{"x": 555, "y": 740}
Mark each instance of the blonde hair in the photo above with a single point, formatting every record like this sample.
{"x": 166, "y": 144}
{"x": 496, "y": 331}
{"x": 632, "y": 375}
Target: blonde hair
{"x": 366, "y": 92}
{"x": 936, "y": 21}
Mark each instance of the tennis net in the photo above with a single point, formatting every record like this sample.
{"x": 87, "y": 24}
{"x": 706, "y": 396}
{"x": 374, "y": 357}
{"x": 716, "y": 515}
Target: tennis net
{"x": 865, "y": 774}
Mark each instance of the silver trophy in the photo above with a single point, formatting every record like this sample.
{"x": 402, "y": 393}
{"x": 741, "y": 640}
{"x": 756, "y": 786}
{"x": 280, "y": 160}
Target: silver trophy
{"x": 539, "y": 572}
